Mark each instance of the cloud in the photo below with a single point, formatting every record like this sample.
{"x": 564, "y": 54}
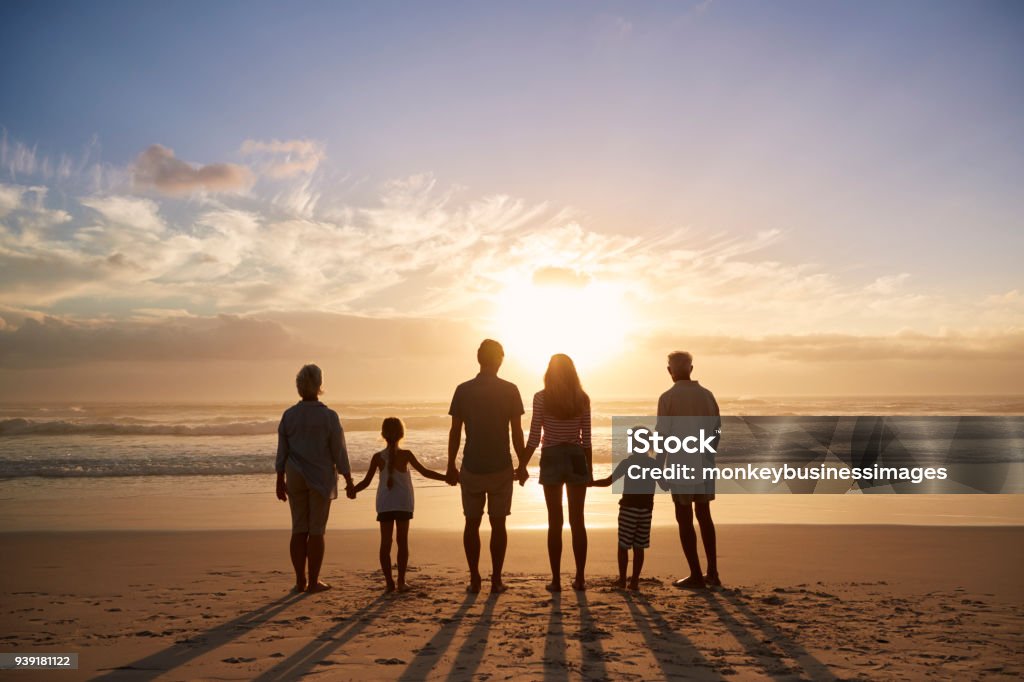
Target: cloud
{"x": 30, "y": 341}
{"x": 84, "y": 172}
{"x": 128, "y": 212}
{"x": 906, "y": 346}
{"x": 10, "y": 198}
{"x": 888, "y": 284}
{"x": 280, "y": 159}
{"x": 565, "y": 277}
{"x": 421, "y": 249}
{"x": 157, "y": 167}
{"x": 56, "y": 342}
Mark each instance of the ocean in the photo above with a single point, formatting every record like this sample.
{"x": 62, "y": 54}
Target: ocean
{"x": 130, "y": 466}
{"x": 104, "y": 440}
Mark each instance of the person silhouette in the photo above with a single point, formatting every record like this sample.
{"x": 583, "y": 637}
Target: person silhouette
{"x": 561, "y": 422}
{"x": 488, "y": 408}
{"x": 310, "y": 454}
{"x": 687, "y": 398}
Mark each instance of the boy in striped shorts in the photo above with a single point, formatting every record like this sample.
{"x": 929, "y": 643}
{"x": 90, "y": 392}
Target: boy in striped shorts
{"x": 636, "y": 508}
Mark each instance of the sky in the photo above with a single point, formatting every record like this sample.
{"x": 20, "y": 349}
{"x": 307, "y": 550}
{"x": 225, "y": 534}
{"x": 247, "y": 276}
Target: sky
{"x": 814, "y": 198}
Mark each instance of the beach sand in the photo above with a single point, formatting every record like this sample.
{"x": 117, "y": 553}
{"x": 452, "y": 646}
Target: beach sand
{"x": 801, "y": 601}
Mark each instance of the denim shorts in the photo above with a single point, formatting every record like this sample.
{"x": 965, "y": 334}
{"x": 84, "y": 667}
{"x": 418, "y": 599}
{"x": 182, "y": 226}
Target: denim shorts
{"x": 564, "y": 464}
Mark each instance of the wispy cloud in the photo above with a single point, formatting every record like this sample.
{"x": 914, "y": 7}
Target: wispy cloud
{"x": 419, "y": 249}
{"x": 285, "y": 158}
{"x": 423, "y": 250}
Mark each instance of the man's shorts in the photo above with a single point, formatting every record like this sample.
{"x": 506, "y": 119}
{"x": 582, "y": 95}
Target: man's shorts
{"x": 682, "y": 498}
{"x": 563, "y": 464}
{"x": 309, "y": 508}
{"x": 495, "y": 489}
{"x": 635, "y": 527}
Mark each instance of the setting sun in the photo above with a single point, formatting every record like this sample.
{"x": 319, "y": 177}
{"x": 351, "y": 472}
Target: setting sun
{"x": 586, "y": 321}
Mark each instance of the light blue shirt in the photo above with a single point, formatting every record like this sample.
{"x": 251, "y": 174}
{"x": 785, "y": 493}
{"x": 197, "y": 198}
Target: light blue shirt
{"x": 310, "y": 439}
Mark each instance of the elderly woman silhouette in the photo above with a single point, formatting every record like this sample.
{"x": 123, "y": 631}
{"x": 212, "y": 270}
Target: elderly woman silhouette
{"x": 310, "y": 455}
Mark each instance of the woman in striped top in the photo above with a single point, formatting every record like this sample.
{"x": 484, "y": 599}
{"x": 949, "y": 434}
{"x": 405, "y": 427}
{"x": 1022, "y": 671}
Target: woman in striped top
{"x": 561, "y": 426}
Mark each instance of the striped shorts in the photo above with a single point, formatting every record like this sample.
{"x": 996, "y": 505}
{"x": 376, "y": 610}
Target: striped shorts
{"x": 635, "y": 527}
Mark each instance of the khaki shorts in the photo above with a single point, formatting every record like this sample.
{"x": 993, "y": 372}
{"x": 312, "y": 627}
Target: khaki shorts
{"x": 495, "y": 489}
{"x": 309, "y": 508}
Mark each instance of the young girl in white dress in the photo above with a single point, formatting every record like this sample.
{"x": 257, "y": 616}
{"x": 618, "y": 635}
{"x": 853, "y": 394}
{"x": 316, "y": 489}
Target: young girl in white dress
{"x": 395, "y": 499}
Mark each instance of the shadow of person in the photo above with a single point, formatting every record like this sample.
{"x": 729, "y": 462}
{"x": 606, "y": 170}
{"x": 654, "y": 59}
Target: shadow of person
{"x": 182, "y": 652}
{"x": 592, "y": 666}
{"x": 326, "y": 643}
{"x": 555, "y": 667}
{"x": 471, "y": 653}
{"x": 768, "y": 660}
{"x": 811, "y": 666}
{"x": 676, "y": 655}
{"x": 430, "y": 654}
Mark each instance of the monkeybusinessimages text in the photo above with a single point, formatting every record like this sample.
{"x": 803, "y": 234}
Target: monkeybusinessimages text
{"x": 643, "y": 441}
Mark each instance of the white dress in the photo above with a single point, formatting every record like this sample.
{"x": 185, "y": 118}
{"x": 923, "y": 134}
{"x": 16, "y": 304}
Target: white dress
{"x": 399, "y": 497}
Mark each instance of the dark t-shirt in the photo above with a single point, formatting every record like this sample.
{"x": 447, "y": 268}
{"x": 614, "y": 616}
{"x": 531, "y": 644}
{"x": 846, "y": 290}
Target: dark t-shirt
{"x": 636, "y": 493}
{"x": 486, "y": 404}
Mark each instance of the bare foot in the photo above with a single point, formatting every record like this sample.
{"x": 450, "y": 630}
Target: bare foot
{"x": 498, "y": 587}
{"x": 389, "y": 587}
{"x": 580, "y": 585}
{"x": 474, "y": 584}
{"x": 300, "y": 586}
{"x": 621, "y": 583}
{"x": 320, "y": 586}
{"x": 553, "y": 587}
{"x": 403, "y": 586}
{"x": 712, "y": 580}
{"x": 694, "y": 582}
{"x": 634, "y": 584}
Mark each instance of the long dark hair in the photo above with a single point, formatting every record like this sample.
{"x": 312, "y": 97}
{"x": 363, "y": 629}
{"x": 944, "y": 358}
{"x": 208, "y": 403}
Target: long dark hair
{"x": 564, "y": 397}
{"x": 393, "y": 430}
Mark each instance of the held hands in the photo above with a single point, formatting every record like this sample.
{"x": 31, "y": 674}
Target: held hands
{"x": 451, "y": 477}
{"x": 522, "y": 474}
{"x": 350, "y": 489}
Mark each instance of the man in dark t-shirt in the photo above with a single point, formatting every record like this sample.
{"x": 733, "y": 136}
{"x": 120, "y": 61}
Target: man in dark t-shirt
{"x": 490, "y": 409}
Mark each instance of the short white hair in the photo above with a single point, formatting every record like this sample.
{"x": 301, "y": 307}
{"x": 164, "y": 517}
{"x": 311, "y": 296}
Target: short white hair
{"x": 680, "y": 360}
{"x": 308, "y": 381}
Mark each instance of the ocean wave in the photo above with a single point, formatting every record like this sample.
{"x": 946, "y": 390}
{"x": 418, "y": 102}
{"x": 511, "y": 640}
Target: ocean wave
{"x": 123, "y": 469}
{"x": 232, "y": 465}
{"x": 129, "y": 426}
{"x": 136, "y": 427}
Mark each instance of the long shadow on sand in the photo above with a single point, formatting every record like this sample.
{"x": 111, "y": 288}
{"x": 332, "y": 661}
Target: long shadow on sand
{"x": 592, "y": 666}
{"x": 430, "y": 654}
{"x": 677, "y": 656}
{"x": 555, "y": 666}
{"x": 471, "y": 653}
{"x": 811, "y": 666}
{"x": 184, "y": 651}
{"x": 326, "y": 643}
